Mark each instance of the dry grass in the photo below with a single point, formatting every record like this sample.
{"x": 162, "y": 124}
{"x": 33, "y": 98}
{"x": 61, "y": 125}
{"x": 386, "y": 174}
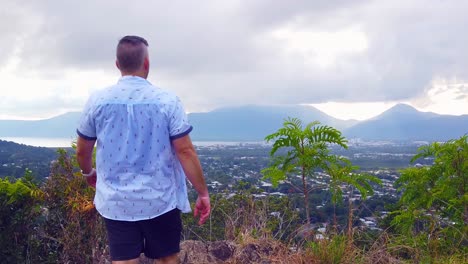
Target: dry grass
{"x": 268, "y": 251}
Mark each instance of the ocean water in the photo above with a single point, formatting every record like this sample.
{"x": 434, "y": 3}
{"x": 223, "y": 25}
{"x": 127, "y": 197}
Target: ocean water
{"x": 67, "y": 142}
{"x": 42, "y": 142}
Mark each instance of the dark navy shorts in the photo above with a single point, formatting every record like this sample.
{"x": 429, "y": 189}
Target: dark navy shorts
{"x": 156, "y": 238}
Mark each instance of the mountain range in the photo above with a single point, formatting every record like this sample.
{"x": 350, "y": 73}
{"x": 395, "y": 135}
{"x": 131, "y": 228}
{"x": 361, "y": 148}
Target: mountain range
{"x": 403, "y": 122}
{"x": 252, "y": 123}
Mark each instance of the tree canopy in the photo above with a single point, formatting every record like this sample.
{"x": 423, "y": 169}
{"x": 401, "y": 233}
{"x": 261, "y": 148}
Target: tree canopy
{"x": 434, "y": 198}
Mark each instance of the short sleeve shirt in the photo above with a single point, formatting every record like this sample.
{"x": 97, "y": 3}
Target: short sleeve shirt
{"x": 138, "y": 174}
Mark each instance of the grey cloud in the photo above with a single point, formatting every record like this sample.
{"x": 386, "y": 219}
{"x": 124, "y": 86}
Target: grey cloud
{"x": 44, "y": 108}
{"x": 216, "y": 53}
{"x": 16, "y": 25}
{"x": 184, "y": 37}
{"x": 416, "y": 42}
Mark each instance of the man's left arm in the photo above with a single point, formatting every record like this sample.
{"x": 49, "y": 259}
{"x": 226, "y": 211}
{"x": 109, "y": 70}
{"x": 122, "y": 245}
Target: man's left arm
{"x": 84, "y": 156}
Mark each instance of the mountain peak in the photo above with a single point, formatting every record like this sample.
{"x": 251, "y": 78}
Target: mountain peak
{"x": 403, "y": 107}
{"x": 404, "y": 122}
{"x": 401, "y": 111}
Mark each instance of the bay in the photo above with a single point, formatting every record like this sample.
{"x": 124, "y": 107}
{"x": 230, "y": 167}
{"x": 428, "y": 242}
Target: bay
{"x": 42, "y": 141}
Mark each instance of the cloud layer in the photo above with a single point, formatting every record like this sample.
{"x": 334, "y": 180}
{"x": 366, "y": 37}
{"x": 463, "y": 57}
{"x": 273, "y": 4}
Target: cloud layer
{"x": 219, "y": 53}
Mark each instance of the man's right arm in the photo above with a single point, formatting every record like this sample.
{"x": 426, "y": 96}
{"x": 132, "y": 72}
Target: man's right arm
{"x": 188, "y": 158}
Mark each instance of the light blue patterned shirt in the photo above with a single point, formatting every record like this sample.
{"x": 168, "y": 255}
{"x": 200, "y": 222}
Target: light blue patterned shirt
{"x": 138, "y": 174}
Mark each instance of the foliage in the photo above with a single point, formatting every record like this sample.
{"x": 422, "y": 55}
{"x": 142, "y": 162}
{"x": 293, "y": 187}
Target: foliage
{"x": 342, "y": 172}
{"x": 433, "y": 206}
{"x": 15, "y": 159}
{"x": 241, "y": 214}
{"x": 57, "y": 223}
{"x": 333, "y": 251}
{"x": 53, "y": 223}
{"x": 19, "y": 206}
{"x": 70, "y": 212}
{"x": 307, "y": 150}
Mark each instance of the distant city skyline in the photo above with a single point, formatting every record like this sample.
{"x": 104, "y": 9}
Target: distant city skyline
{"x": 350, "y": 59}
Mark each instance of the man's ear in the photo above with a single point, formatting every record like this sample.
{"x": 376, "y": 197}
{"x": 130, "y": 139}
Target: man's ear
{"x": 117, "y": 64}
{"x": 146, "y": 63}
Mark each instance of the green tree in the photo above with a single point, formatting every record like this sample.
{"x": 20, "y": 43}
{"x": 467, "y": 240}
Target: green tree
{"x": 344, "y": 174}
{"x": 434, "y": 199}
{"x": 307, "y": 149}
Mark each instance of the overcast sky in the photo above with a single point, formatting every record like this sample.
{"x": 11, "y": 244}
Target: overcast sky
{"x": 352, "y": 59}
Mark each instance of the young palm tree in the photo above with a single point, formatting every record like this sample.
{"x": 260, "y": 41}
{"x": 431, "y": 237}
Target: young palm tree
{"x": 307, "y": 149}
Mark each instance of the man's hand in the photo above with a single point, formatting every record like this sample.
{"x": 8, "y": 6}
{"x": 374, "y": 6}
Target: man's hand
{"x": 91, "y": 180}
{"x": 84, "y": 156}
{"x": 202, "y": 208}
{"x": 191, "y": 164}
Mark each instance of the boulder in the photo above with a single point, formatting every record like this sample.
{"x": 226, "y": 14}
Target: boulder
{"x": 195, "y": 252}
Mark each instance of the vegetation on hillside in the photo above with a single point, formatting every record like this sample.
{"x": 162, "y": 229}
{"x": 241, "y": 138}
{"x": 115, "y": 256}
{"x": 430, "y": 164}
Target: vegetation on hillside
{"x": 432, "y": 213}
{"x": 56, "y": 222}
{"x": 307, "y": 151}
{"x": 16, "y": 158}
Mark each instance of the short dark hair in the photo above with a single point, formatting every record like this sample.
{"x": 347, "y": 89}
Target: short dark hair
{"x": 131, "y": 53}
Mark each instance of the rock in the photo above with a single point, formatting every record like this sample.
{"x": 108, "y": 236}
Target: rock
{"x": 198, "y": 252}
{"x": 192, "y": 251}
{"x": 222, "y": 250}
{"x": 249, "y": 254}
{"x": 212, "y": 252}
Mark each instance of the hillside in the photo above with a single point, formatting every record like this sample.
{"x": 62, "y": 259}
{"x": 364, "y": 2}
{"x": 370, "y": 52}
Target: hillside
{"x": 250, "y": 222}
{"x": 16, "y": 158}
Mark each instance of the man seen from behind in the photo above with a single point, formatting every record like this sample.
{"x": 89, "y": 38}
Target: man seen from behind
{"x": 143, "y": 155}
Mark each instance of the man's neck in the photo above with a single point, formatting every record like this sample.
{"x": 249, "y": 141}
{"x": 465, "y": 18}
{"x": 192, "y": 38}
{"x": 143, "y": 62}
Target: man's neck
{"x": 137, "y": 74}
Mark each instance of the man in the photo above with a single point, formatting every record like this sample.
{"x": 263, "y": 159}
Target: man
{"x": 143, "y": 154}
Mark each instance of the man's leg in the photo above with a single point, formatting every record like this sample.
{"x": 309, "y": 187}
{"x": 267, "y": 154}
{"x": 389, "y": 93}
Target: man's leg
{"x": 125, "y": 241}
{"x": 162, "y": 237}
{"x": 172, "y": 259}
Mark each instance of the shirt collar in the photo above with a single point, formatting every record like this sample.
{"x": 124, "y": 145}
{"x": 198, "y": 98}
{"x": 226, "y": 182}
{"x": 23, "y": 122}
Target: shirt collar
{"x": 131, "y": 78}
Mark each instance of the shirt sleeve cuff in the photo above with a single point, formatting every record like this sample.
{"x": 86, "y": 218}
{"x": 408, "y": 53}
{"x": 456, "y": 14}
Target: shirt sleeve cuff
{"x": 84, "y": 136}
{"x": 186, "y": 132}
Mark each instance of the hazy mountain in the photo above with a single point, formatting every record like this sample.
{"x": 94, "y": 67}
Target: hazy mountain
{"x": 226, "y": 124}
{"x": 403, "y": 122}
{"x": 253, "y": 122}
{"x": 56, "y": 127}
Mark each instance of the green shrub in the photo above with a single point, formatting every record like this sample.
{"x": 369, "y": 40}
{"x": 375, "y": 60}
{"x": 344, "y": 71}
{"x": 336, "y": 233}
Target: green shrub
{"x": 19, "y": 217}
